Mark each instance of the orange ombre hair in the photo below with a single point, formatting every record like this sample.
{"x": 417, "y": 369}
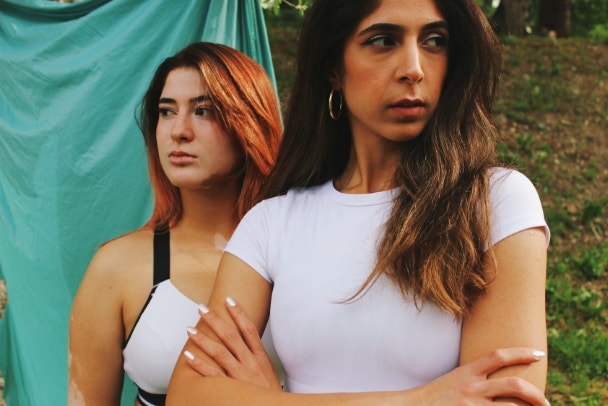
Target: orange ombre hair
{"x": 246, "y": 107}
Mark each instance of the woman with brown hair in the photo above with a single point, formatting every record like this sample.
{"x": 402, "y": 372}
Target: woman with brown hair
{"x": 212, "y": 129}
{"x": 396, "y": 261}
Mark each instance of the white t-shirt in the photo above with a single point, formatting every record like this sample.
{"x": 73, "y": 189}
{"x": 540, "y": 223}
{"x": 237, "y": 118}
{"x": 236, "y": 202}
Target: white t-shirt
{"x": 317, "y": 246}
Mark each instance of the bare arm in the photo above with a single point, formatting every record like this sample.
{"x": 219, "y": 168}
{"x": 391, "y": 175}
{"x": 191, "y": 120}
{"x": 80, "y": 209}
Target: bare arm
{"x": 237, "y": 280}
{"x": 95, "y": 340}
{"x": 512, "y": 312}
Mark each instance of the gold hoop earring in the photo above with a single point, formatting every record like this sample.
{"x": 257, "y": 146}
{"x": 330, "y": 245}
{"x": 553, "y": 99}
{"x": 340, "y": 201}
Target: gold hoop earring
{"x": 333, "y": 114}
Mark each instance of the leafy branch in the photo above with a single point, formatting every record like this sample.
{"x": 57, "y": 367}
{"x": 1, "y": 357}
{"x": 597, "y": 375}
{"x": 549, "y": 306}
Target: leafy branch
{"x": 275, "y": 5}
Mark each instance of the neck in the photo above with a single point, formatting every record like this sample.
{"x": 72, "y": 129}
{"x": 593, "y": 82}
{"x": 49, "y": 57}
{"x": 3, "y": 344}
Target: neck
{"x": 368, "y": 170}
{"x": 209, "y": 214}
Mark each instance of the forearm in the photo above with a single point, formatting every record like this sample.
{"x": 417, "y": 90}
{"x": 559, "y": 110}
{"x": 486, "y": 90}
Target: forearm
{"x": 208, "y": 377}
{"x": 535, "y": 373}
{"x": 189, "y": 388}
{"x": 467, "y": 383}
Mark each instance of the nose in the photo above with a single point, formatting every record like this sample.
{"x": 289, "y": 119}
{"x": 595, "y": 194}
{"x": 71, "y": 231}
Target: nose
{"x": 182, "y": 128}
{"x": 409, "y": 64}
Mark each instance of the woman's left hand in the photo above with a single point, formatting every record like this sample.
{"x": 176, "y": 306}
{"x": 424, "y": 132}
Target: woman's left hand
{"x": 240, "y": 353}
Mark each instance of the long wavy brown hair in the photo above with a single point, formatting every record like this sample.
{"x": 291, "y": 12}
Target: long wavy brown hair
{"x": 246, "y": 106}
{"x": 435, "y": 239}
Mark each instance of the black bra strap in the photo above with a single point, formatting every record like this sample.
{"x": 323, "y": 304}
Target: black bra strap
{"x": 162, "y": 270}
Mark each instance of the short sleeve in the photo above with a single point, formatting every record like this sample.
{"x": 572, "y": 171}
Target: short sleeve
{"x": 515, "y": 205}
{"x": 249, "y": 242}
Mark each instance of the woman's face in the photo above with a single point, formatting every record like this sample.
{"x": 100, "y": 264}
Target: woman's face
{"x": 194, "y": 150}
{"x": 395, "y": 63}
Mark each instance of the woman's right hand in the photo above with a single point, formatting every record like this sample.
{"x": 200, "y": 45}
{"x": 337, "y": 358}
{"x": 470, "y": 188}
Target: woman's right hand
{"x": 241, "y": 354}
{"x": 470, "y": 383}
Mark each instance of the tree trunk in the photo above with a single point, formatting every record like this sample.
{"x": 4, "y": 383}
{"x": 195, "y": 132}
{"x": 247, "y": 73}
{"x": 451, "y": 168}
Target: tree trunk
{"x": 554, "y": 17}
{"x": 516, "y": 12}
{"x": 499, "y": 21}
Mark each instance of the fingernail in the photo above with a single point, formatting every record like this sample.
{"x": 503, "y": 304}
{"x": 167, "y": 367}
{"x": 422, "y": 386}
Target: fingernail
{"x": 230, "y": 301}
{"x": 538, "y": 354}
{"x": 191, "y": 330}
{"x": 547, "y": 403}
{"x": 189, "y": 355}
{"x": 203, "y": 309}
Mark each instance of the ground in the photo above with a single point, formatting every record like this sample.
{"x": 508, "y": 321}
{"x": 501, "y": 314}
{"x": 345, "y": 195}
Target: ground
{"x": 553, "y": 111}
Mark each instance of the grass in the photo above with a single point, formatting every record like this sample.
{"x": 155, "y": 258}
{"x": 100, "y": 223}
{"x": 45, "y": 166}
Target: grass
{"x": 552, "y": 110}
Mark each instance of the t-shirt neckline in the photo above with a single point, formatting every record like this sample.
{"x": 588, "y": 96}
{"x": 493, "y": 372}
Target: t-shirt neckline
{"x": 359, "y": 199}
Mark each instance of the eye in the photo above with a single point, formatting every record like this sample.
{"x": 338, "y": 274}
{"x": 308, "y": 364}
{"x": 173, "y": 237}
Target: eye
{"x": 204, "y": 111}
{"x": 436, "y": 41}
{"x": 381, "y": 41}
{"x": 164, "y": 111}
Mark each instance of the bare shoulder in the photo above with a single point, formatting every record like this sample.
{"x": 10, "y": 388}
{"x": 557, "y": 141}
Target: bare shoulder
{"x": 116, "y": 284}
{"x": 122, "y": 257}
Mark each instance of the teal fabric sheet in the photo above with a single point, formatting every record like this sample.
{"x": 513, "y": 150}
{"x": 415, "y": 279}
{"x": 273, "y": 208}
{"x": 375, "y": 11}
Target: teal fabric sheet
{"x": 72, "y": 162}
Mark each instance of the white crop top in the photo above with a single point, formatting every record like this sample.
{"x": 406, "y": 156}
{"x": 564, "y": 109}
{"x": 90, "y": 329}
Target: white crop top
{"x": 158, "y": 338}
{"x": 159, "y": 334}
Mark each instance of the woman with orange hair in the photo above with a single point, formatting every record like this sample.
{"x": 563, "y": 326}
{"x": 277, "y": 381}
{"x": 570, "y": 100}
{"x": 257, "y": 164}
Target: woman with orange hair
{"x": 212, "y": 129}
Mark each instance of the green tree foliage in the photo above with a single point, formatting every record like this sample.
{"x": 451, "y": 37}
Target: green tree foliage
{"x": 589, "y": 17}
{"x": 488, "y": 6}
{"x": 276, "y": 5}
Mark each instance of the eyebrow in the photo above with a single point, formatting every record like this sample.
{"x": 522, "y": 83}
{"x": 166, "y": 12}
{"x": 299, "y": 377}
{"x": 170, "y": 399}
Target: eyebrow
{"x": 194, "y": 100}
{"x": 399, "y": 29}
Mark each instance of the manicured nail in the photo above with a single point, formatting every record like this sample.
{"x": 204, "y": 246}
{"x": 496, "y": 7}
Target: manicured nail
{"x": 203, "y": 309}
{"x": 547, "y": 403}
{"x": 538, "y": 354}
{"x": 191, "y": 330}
{"x": 189, "y": 355}
{"x": 230, "y": 301}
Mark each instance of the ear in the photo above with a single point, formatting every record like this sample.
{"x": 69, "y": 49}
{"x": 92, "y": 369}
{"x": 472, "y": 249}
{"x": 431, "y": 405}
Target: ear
{"x": 334, "y": 79}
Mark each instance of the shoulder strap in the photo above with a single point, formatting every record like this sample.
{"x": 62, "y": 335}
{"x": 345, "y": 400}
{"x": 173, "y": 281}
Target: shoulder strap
{"x": 162, "y": 269}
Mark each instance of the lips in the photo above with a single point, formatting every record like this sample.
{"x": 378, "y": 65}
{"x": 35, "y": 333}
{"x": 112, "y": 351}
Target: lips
{"x": 405, "y": 103}
{"x": 408, "y": 108}
{"x": 179, "y": 154}
{"x": 181, "y": 158}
